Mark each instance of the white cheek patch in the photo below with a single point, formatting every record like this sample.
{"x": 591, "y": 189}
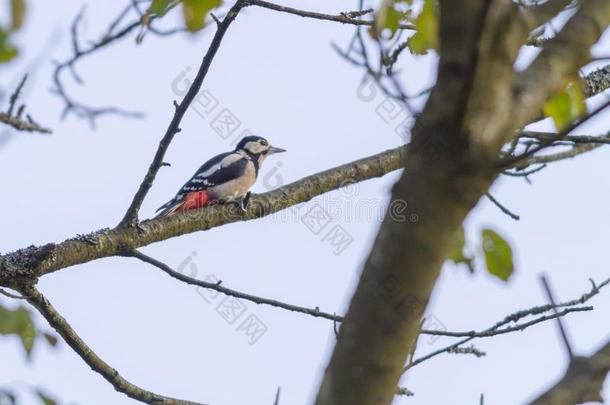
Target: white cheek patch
{"x": 255, "y": 147}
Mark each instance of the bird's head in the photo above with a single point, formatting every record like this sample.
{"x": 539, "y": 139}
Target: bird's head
{"x": 257, "y": 146}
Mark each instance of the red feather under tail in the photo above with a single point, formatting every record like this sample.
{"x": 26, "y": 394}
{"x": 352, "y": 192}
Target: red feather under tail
{"x": 195, "y": 200}
{"x": 191, "y": 201}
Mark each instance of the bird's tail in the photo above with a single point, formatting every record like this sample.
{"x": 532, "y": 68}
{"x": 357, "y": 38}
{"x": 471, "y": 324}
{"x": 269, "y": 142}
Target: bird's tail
{"x": 169, "y": 208}
{"x": 190, "y": 201}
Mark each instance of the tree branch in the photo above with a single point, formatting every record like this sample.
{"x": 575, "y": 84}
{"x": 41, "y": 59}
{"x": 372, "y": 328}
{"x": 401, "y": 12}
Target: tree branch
{"x": 26, "y": 265}
{"x": 543, "y": 13}
{"x": 233, "y": 293}
{"x": 344, "y": 18}
{"x": 577, "y": 139}
{"x": 597, "y": 81}
{"x": 98, "y": 365}
{"x": 502, "y": 207}
{"x": 111, "y": 36}
{"x": 582, "y": 381}
{"x": 515, "y": 160}
{"x": 500, "y": 328}
{"x": 497, "y": 329}
{"x": 71, "y": 105}
{"x": 494, "y": 332}
{"x": 14, "y": 116}
{"x": 560, "y": 59}
{"x": 555, "y": 157}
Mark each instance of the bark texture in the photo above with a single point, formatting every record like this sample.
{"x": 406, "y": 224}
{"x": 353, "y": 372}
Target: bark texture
{"x": 477, "y": 104}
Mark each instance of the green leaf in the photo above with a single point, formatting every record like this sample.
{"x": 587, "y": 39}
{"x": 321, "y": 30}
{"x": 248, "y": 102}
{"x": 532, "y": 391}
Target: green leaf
{"x": 17, "y": 13}
{"x": 158, "y": 7}
{"x": 390, "y": 15}
{"x": 18, "y": 322}
{"x": 426, "y": 36}
{"x": 45, "y": 399}
{"x": 195, "y": 12}
{"x": 567, "y": 105}
{"x": 458, "y": 256}
{"x": 7, "y": 50}
{"x": 51, "y": 339}
{"x": 498, "y": 255}
{"x": 27, "y": 331}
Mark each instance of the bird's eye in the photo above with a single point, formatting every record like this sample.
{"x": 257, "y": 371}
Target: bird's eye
{"x": 264, "y": 142}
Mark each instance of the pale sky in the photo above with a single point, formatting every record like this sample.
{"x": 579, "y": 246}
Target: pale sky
{"x": 279, "y": 76}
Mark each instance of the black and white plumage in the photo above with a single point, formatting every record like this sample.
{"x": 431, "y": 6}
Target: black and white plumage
{"x": 225, "y": 177}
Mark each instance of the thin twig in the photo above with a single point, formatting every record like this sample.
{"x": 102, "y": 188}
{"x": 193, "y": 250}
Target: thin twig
{"x": 233, "y": 293}
{"x": 489, "y": 332}
{"x": 71, "y": 105}
{"x": 467, "y": 350}
{"x": 11, "y": 295}
{"x": 524, "y": 173}
{"x": 497, "y": 329}
{"x": 404, "y": 392}
{"x": 514, "y": 160}
{"x": 277, "y": 396}
{"x": 345, "y": 17}
{"x": 568, "y": 154}
{"x": 550, "y": 296}
{"x": 110, "y": 36}
{"x": 15, "y": 118}
{"x": 577, "y": 139}
{"x": 500, "y": 327}
{"x": 502, "y": 207}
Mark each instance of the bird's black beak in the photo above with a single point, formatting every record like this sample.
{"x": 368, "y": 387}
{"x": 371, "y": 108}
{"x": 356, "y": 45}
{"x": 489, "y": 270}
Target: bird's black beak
{"x": 273, "y": 150}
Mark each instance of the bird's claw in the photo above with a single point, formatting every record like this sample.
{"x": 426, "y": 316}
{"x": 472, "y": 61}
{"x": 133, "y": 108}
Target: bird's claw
{"x": 245, "y": 202}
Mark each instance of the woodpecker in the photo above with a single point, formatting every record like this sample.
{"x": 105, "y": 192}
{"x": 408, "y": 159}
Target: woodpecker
{"x": 224, "y": 178}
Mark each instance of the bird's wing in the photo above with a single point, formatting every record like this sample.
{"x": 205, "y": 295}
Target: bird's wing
{"x": 218, "y": 170}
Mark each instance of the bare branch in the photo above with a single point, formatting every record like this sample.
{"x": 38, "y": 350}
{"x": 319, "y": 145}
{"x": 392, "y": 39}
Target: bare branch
{"x": 502, "y": 207}
{"x": 317, "y": 313}
{"x": 276, "y": 401}
{"x": 111, "y": 36}
{"x": 15, "y": 118}
{"x": 233, "y": 293}
{"x": 98, "y": 365}
{"x": 467, "y": 350}
{"x": 555, "y": 157}
{"x": 541, "y": 14}
{"x": 487, "y": 333}
{"x": 582, "y": 381}
{"x": 500, "y": 327}
{"x": 71, "y": 105}
{"x": 577, "y": 139}
{"x": 514, "y": 160}
{"x": 350, "y": 17}
{"x": 11, "y": 295}
{"x": 550, "y": 296}
{"x": 597, "y": 81}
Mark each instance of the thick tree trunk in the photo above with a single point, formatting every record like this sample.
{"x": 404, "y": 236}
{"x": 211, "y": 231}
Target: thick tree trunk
{"x": 477, "y": 105}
